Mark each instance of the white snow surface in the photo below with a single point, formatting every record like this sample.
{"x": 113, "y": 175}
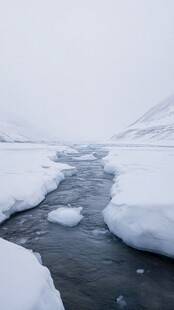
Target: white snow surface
{"x": 156, "y": 126}
{"x": 25, "y": 283}
{"x": 66, "y": 216}
{"x": 85, "y": 157}
{"x": 141, "y": 211}
{"x": 27, "y": 173}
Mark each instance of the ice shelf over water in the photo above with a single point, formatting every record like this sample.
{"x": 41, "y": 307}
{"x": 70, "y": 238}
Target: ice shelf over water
{"x": 25, "y": 283}
{"x": 141, "y": 211}
{"x": 27, "y": 173}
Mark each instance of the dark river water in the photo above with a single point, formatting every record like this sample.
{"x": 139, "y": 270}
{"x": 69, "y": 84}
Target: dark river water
{"x": 91, "y": 267}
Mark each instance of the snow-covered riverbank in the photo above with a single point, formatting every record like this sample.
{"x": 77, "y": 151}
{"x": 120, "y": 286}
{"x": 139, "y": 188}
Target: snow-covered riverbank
{"x": 25, "y": 283}
{"x": 27, "y": 173}
{"x": 141, "y": 211}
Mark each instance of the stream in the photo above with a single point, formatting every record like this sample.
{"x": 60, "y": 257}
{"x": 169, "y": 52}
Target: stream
{"x": 90, "y": 266}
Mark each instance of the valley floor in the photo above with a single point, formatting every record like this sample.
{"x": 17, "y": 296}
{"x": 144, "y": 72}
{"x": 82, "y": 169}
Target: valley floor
{"x": 92, "y": 268}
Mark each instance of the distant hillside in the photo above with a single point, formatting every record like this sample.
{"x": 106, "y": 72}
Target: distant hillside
{"x": 155, "y": 125}
{"x": 21, "y": 133}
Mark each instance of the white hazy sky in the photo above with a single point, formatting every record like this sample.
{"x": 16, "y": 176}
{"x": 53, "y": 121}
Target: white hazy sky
{"x": 85, "y": 69}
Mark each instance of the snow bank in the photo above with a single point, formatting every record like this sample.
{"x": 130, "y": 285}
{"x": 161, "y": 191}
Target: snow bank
{"x": 27, "y": 173}
{"x": 85, "y": 157}
{"x": 25, "y": 283}
{"x": 66, "y": 216}
{"x": 141, "y": 211}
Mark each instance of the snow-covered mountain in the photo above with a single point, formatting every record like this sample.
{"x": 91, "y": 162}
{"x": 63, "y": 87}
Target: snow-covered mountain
{"x": 155, "y": 125}
{"x": 12, "y": 132}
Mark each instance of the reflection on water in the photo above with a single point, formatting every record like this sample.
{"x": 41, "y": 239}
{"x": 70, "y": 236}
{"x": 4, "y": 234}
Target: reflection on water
{"x": 93, "y": 269}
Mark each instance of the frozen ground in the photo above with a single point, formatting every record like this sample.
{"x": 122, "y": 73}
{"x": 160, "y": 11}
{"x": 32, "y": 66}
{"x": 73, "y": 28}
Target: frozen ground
{"x": 141, "y": 211}
{"x": 25, "y": 283}
{"x": 27, "y": 173}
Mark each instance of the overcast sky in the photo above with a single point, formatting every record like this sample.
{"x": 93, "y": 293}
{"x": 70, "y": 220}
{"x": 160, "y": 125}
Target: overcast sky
{"x": 85, "y": 69}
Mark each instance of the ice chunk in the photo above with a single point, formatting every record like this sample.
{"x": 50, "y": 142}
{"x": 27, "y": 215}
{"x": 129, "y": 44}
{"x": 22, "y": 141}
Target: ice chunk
{"x": 86, "y": 157}
{"x": 66, "y": 216}
{"x": 21, "y": 240}
{"x": 140, "y": 271}
{"x": 97, "y": 232}
{"x": 41, "y": 232}
{"x": 121, "y": 302}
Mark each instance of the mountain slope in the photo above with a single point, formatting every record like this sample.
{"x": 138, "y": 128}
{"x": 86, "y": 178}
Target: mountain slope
{"x": 155, "y": 125}
{"x": 11, "y": 132}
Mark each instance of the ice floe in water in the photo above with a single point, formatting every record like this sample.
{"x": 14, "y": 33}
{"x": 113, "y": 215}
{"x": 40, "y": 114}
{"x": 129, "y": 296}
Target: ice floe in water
{"x": 140, "y": 271}
{"x": 41, "y": 232}
{"x": 121, "y": 302}
{"x": 36, "y": 238}
{"x": 21, "y": 240}
{"x": 86, "y": 157}
{"x": 97, "y": 232}
{"x": 66, "y": 216}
